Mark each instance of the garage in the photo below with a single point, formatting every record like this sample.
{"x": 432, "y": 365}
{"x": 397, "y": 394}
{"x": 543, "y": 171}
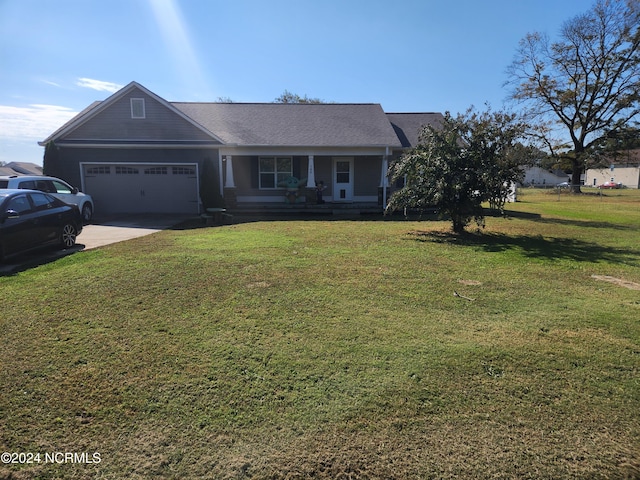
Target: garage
{"x": 142, "y": 188}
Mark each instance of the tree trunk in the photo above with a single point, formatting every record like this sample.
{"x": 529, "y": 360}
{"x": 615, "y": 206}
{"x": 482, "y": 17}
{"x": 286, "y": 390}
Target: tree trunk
{"x": 458, "y": 224}
{"x": 575, "y": 178}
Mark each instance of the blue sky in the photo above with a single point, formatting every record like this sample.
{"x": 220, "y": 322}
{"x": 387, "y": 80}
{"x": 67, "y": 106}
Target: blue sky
{"x": 56, "y": 57}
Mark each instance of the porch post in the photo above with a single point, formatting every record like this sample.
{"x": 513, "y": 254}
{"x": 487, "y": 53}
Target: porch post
{"x": 311, "y": 182}
{"x": 311, "y": 174}
{"x": 220, "y": 178}
{"x": 229, "y": 182}
{"x": 230, "y": 198}
{"x": 384, "y": 180}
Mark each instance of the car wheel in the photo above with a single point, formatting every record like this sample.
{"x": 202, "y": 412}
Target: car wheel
{"x": 68, "y": 236}
{"x": 87, "y": 212}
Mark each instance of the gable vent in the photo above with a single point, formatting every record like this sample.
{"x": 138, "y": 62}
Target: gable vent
{"x": 137, "y": 108}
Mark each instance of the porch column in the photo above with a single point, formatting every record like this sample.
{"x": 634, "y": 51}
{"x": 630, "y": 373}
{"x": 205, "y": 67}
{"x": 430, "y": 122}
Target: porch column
{"x": 228, "y": 181}
{"x": 220, "y": 170}
{"x": 311, "y": 182}
{"x": 230, "y": 198}
{"x": 311, "y": 174}
{"x": 384, "y": 179}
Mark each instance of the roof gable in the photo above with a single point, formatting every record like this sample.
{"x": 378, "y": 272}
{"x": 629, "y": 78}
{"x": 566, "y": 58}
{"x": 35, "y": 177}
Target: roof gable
{"x": 111, "y": 121}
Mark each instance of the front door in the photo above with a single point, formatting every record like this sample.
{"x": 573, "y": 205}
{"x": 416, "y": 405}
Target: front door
{"x": 343, "y": 179}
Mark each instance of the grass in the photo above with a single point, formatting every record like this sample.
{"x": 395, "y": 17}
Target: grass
{"x": 336, "y": 349}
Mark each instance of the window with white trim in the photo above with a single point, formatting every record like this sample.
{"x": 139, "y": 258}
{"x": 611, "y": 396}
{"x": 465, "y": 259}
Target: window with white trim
{"x": 274, "y": 170}
{"x": 137, "y": 108}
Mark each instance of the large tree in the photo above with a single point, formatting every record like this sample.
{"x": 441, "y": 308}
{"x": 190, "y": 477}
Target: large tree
{"x": 51, "y": 161}
{"x": 461, "y": 163}
{"x": 288, "y": 97}
{"x": 585, "y": 86}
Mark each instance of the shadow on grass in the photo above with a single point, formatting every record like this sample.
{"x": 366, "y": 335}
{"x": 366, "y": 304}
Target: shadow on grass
{"x": 535, "y": 217}
{"x": 536, "y": 246}
{"x": 27, "y": 261}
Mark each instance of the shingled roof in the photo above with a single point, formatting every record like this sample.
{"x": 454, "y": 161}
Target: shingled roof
{"x": 278, "y": 124}
{"x": 281, "y": 124}
{"x": 409, "y": 125}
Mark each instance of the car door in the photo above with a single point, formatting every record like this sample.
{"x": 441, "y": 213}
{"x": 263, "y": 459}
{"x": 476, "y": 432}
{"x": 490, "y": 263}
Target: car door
{"x": 63, "y": 191}
{"x": 19, "y": 230}
{"x": 47, "y": 218}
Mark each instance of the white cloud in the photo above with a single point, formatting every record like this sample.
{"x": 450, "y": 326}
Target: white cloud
{"x": 53, "y": 84}
{"x": 32, "y": 122}
{"x": 98, "y": 85}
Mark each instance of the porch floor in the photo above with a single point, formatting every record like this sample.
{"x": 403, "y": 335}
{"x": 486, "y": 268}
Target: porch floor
{"x": 328, "y": 208}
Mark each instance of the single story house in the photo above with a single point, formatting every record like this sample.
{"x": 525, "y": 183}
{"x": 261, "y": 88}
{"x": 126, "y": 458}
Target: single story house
{"x": 539, "y": 177}
{"x": 138, "y": 153}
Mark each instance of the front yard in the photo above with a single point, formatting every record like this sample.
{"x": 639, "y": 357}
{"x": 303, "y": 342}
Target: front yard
{"x": 335, "y": 349}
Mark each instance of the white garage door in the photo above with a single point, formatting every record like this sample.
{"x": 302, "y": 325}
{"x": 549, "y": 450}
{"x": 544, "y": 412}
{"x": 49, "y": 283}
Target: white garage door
{"x": 142, "y": 188}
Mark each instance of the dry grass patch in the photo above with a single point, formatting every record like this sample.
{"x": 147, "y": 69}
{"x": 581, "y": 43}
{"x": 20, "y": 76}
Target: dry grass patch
{"x": 618, "y": 281}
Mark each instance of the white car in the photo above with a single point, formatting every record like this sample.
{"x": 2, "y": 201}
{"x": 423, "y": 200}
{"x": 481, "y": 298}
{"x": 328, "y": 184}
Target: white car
{"x": 54, "y": 186}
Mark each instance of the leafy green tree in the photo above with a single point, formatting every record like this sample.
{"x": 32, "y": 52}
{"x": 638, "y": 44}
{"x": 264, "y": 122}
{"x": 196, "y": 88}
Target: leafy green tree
{"x": 615, "y": 147}
{"x": 465, "y": 161}
{"x": 51, "y": 160}
{"x": 494, "y": 138}
{"x": 586, "y": 85}
{"x": 288, "y": 97}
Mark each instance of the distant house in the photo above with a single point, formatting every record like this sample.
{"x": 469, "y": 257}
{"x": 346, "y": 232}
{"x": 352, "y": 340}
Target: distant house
{"x": 24, "y": 168}
{"x": 540, "y": 177}
{"x": 624, "y": 169}
{"x": 136, "y": 152}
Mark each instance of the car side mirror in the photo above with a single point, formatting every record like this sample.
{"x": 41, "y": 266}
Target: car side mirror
{"x": 74, "y": 190}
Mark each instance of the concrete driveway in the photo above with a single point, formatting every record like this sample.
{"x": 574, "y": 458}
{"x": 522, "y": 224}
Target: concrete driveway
{"x": 102, "y": 231}
{"x": 108, "y": 230}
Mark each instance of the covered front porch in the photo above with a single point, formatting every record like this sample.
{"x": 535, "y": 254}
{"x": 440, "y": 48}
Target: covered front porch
{"x": 296, "y": 182}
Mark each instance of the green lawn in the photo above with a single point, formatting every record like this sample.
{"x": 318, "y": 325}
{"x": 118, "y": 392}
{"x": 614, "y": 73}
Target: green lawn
{"x": 336, "y": 349}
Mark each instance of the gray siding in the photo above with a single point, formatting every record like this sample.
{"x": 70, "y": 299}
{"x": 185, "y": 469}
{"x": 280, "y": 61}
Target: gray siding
{"x": 366, "y": 175}
{"x": 115, "y": 123}
{"x": 69, "y": 166}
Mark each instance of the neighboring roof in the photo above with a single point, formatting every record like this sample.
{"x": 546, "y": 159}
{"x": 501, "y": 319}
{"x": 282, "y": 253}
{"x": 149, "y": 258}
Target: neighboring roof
{"x": 21, "y": 168}
{"x": 26, "y": 168}
{"x": 7, "y": 171}
{"x": 294, "y": 124}
{"x": 409, "y": 125}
